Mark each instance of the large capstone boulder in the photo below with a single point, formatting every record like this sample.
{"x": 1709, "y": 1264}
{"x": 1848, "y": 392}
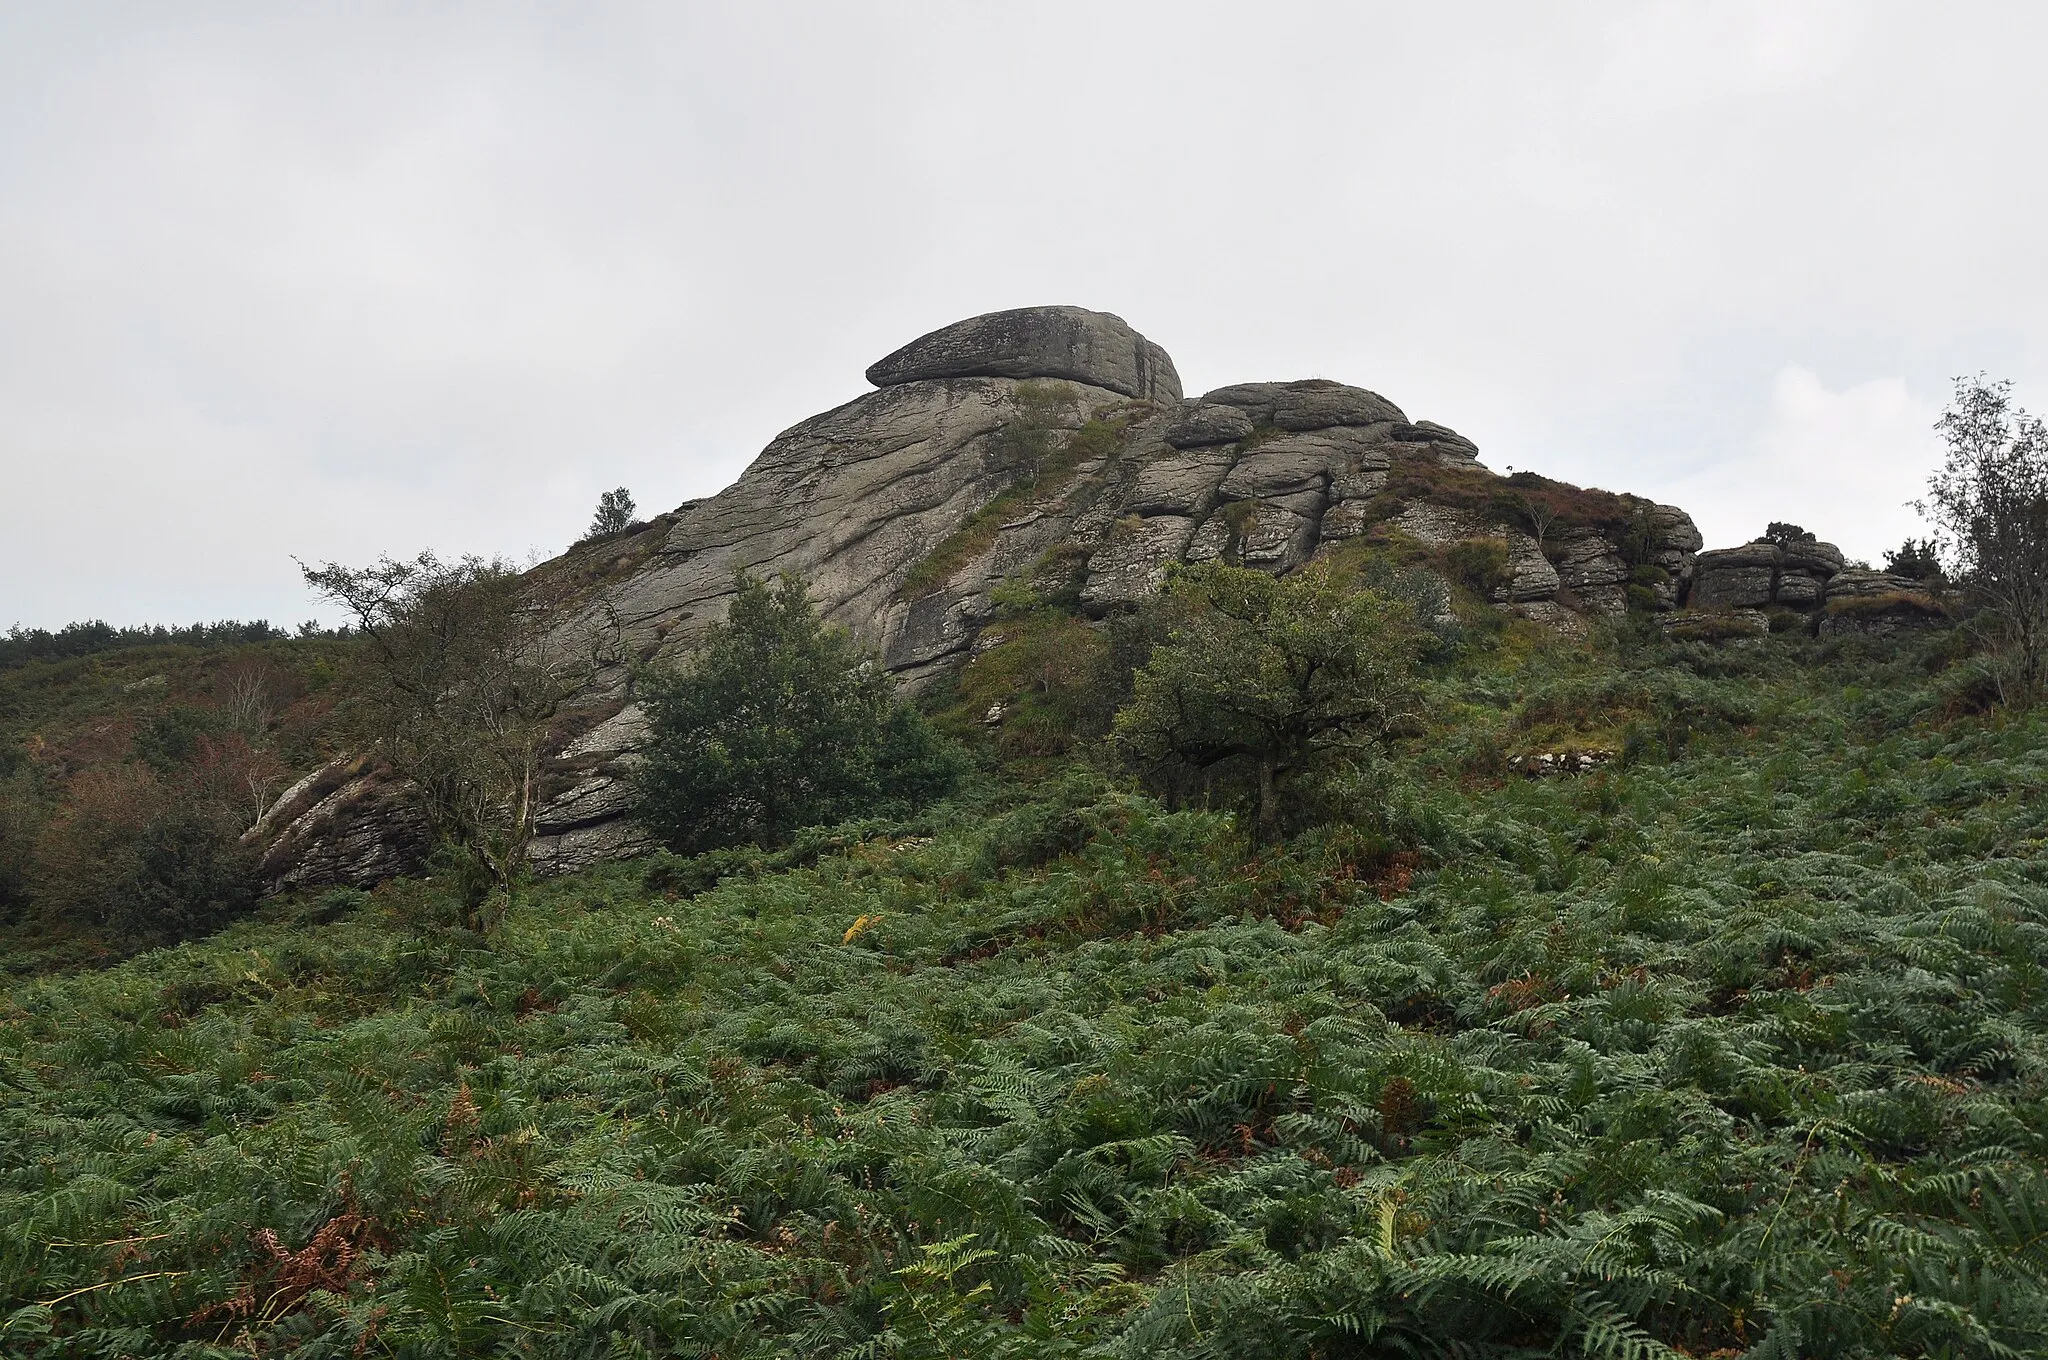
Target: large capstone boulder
{"x": 1811, "y": 557}
{"x": 1070, "y": 343}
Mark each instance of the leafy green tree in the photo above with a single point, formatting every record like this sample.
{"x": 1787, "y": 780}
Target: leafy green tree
{"x": 1990, "y": 499}
{"x": 460, "y": 679}
{"x": 1785, "y": 535}
{"x": 614, "y": 513}
{"x": 1270, "y": 679}
{"x": 781, "y": 721}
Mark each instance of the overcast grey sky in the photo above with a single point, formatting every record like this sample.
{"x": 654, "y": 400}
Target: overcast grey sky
{"x": 338, "y": 280}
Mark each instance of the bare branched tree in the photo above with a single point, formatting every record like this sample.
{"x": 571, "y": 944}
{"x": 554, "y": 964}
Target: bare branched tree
{"x": 462, "y": 679}
{"x": 248, "y": 692}
{"x": 1540, "y": 513}
{"x": 1990, "y": 500}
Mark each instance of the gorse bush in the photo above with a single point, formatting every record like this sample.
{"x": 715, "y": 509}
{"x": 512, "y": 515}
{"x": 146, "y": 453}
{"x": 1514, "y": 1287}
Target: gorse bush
{"x": 779, "y": 722}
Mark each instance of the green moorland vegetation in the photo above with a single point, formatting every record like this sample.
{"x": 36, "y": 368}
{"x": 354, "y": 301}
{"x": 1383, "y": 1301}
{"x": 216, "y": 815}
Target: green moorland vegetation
{"x": 1735, "y": 1045}
{"x": 1244, "y": 999}
{"x": 130, "y": 761}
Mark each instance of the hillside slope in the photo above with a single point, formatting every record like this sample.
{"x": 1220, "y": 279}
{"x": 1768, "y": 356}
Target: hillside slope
{"x": 1735, "y": 1045}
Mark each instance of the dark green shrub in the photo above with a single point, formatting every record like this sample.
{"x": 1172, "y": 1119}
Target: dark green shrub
{"x": 1710, "y": 627}
{"x": 1969, "y": 688}
{"x": 22, "y": 814}
{"x": 781, "y": 722}
{"x": 1918, "y": 559}
{"x": 173, "y": 739}
{"x": 1648, "y": 587}
{"x": 1264, "y": 685}
{"x": 614, "y": 515}
{"x": 685, "y": 876}
{"x": 1031, "y": 685}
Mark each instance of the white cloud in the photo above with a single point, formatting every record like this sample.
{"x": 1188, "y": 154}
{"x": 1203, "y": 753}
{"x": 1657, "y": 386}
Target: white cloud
{"x": 1842, "y": 463}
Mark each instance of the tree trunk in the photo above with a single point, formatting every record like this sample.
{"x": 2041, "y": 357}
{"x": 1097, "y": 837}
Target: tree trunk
{"x": 1269, "y": 803}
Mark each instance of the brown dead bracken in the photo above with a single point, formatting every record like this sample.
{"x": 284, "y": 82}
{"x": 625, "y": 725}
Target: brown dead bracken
{"x": 279, "y": 1280}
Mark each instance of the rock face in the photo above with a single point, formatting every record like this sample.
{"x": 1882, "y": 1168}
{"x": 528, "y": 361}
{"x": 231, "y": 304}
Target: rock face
{"x": 1735, "y": 578}
{"x": 339, "y": 824}
{"x": 1048, "y": 442}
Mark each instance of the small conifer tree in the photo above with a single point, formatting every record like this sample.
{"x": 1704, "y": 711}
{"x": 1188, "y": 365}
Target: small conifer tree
{"x": 614, "y": 513}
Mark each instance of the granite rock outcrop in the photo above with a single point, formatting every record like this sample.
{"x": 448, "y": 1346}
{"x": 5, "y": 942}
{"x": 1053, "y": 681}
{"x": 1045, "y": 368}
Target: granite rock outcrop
{"x": 1039, "y": 443}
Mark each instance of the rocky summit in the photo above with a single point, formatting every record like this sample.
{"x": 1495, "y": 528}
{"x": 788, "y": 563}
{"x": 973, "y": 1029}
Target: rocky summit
{"x": 1051, "y": 445}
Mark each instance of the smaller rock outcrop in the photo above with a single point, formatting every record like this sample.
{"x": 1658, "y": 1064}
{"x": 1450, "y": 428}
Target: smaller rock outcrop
{"x": 1207, "y": 423}
{"x": 1748, "y": 590}
{"x": 343, "y": 823}
{"x": 1735, "y": 578}
{"x": 1761, "y": 574}
{"x": 1878, "y": 604}
{"x": 1310, "y": 404}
